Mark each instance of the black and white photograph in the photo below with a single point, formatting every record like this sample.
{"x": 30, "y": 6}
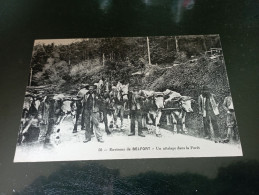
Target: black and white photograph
{"x": 127, "y": 98}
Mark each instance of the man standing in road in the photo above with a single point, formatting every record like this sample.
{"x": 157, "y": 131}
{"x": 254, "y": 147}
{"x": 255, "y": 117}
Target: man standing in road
{"x": 91, "y": 114}
{"x": 208, "y": 108}
{"x": 80, "y": 95}
{"x": 48, "y": 113}
{"x": 135, "y": 112}
{"x": 231, "y": 118}
{"x": 104, "y": 109}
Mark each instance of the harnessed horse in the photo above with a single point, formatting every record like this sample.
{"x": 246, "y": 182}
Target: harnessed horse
{"x": 119, "y": 99}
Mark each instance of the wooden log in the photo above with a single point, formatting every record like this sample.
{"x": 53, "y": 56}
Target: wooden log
{"x": 165, "y": 109}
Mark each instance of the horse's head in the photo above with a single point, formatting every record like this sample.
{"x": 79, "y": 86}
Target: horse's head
{"x": 113, "y": 92}
{"x": 159, "y": 100}
{"x": 125, "y": 92}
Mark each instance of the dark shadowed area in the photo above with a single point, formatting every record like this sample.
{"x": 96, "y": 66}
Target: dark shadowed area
{"x": 237, "y": 23}
{"x": 236, "y": 178}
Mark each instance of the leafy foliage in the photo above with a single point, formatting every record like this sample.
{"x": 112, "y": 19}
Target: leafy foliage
{"x": 178, "y": 63}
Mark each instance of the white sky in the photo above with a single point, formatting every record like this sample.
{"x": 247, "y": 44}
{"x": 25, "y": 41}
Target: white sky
{"x": 57, "y": 41}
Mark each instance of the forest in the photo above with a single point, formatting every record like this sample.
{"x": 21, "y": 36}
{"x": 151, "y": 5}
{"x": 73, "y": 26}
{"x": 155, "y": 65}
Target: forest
{"x": 87, "y": 60}
{"x": 179, "y": 63}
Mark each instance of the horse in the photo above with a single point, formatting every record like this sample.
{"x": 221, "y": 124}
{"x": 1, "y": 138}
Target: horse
{"x": 119, "y": 98}
{"x": 102, "y": 91}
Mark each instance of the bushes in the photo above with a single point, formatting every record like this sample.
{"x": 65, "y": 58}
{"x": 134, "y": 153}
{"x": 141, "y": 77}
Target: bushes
{"x": 187, "y": 79}
{"x": 174, "y": 71}
{"x": 85, "y": 67}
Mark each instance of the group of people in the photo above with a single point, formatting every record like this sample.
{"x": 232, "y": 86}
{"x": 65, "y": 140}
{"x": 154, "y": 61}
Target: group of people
{"x": 92, "y": 106}
{"x": 95, "y": 101}
{"x": 208, "y": 108}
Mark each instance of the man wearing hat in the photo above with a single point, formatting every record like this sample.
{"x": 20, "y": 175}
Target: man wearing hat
{"x": 80, "y": 94}
{"x": 48, "y": 114}
{"x": 91, "y": 114}
{"x": 231, "y": 118}
{"x": 208, "y": 108}
{"x": 135, "y": 111}
{"x": 43, "y": 116}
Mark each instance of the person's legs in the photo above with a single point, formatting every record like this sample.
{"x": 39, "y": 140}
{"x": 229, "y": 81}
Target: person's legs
{"x": 144, "y": 120}
{"x": 231, "y": 123}
{"x": 158, "y": 117}
{"x": 121, "y": 115}
{"x": 82, "y": 120}
{"x": 43, "y": 130}
{"x": 91, "y": 126}
{"x": 50, "y": 130}
{"x": 235, "y": 133}
{"x": 105, "y": 120}
{"x": 214, "y": 121}
{"x": 115, "y": 115}
{"x": 206, "y": 125}
{"x": 96, "y": 121}
{"x": 235, "y": 128}
{"x": 139, "y": 119}
{"x": 75, "y": 122}
{"x": 87, "y": 121}
{"x": 132, "y": 121}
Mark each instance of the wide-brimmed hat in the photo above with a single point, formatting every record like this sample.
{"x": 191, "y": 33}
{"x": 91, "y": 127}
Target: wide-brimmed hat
{"x": 205, "y": 88}
{"x": 92, "y": 86}
{"x": 136, "y": 88}
{"x": 84, "y": 85}
{"x": 114, "y": 82}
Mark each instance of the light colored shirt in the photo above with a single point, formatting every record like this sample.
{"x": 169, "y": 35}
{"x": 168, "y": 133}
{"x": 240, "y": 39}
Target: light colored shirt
{"x": 202, "y": 104}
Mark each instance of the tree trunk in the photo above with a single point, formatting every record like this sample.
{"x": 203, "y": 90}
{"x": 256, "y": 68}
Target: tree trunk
{"x": 30, "y": 77}
{"x": 103, "y": 59}
{"x": 204, "y": 43}
{"x": 148, "y": 51}
{"x": 176, "y": 45}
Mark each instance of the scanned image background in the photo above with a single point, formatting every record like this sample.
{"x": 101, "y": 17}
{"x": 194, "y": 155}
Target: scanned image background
{"x": 123, "y": 98}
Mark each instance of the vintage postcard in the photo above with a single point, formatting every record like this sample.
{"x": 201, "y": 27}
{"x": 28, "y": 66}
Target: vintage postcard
{"x": 127, "y": 98}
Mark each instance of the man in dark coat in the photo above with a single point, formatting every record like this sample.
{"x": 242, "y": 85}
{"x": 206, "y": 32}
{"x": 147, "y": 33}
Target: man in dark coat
{"x": 80, "y": 95}
{"x": 208, "y": 108}
{"x": 91, "y": 114}
{"x": 49, "y": 111}
{"x": 104, "y": 109}
{"x": 135, "y": 112}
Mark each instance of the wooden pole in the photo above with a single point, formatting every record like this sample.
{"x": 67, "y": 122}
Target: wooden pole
{"x": 103, "y": 59}
{"x": 204, "y": 43}
{"x": 69, "y": 51}
{"x": 30, "y": 77}
{"x": 176, "y": 44}
{"x": 148, "y": 51}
